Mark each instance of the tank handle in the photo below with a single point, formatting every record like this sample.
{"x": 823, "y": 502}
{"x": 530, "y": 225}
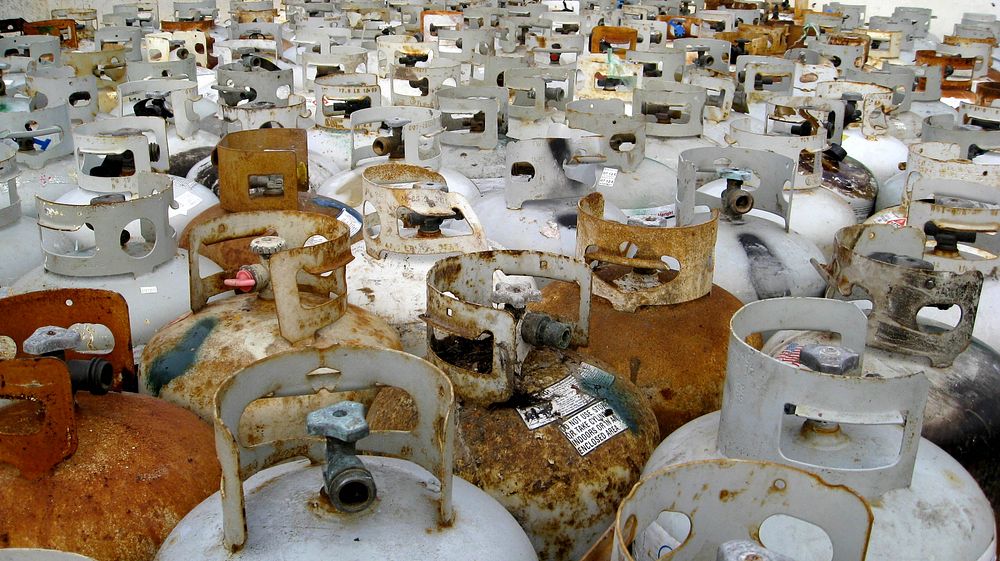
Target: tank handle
{"x": 419, "y": 133}
{"x": 44, "y": 381}
{"x": 774, "y": 172}
{"x": 728, "y": 500}
{"x": 262, "y": 154}
{"x": 646, "y": 241}
{"x": 428, "y": 199}
{"x": 108, "y": 218}
{"x": 64, "y": 307}
{"x": 49, "y": 121}
{"x": 762, "y": 394}
{"x": 460, "y": 302}
{"x": 291, "y": 271}
{"x": 950, "y": 130}
{"x": 116, "y": 136}
{"x": 885, "y": 264}
{"x": 429, "y": 444}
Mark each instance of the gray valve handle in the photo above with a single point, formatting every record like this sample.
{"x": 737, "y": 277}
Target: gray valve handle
{"x": 516, "y": 293}
{"x": 50, "y": 339}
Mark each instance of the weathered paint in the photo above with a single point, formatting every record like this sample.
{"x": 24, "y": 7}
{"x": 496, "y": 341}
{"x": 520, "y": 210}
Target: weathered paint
{"x": 179, "y": 359}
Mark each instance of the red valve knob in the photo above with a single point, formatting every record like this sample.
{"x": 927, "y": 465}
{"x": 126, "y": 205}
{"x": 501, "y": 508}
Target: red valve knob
{"x": 244, "y": 281}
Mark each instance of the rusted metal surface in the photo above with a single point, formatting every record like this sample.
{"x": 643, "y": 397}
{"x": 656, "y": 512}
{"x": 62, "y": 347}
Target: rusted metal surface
{"x": 987, "y": 93}
{"x": 958, "y": 69}
{"x": 65, "y": 307}
{"x": 391, "y": 190}
{"x": 460, "y": 304}
{"x": 729, "y": 499}
{"x": 86, "y": 19}
{"x": 45, "y": 382}
{"x": 429, "y": 441}
{"x": 614, "y": 38}
{"x": 290, "y": 273}
{"x": 601, "y": 241}
{"x": 563, "y": 500}
{"x": 64, "y": 29}
{"x": 360, "y": 89}
{"x": 135, "y": 455}
{"x": 679, "y": 384}
{"x": 262, "y": 153}
{"x": 899, "y": 292}
{"x": 204, "y": 27}
{"x": 876, "y": 103}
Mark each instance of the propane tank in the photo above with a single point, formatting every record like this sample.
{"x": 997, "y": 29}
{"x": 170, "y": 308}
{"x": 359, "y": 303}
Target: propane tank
{"x": 953, "y": 200}
{"x": 263, "y": 169}
{"x": 145, "y": 266}
{"x": 151, "y": 456}
{"x": 757, "y": 256}
{"x": 729, "y": 505}
{"x": 819, "y": 209}
{"x": 866, "y": 126}
{"x": 851, "y": 429}
{"x": 294, "y": 297}
{"x": 974, "y": 129}
{"x": 475, "y": 120}
{"x": 554, "y": 414}
{"x": 651, "y": 275}
{"x": 20, "y": 251}
{"x": 675, "y": 114}
{"x": 903, "y": 122}
{"x": 387, "y": 133}
{"x": 411, "y": 220}
{"x": 110, "y": 151}
{"x": 44, "y": 153}
{"x": 371, "y": 506}
{"x": 885, "y": 264}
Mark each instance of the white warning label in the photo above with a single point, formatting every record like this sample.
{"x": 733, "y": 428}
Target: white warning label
{"x": 608, "y": 176}
{"x": 185, "y": 202}
{"x": 592, "y": 427}
{"x": 554, "y": 402}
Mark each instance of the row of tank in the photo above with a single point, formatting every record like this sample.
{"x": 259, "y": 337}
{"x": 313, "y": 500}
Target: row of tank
{"x": 538, "y": 242}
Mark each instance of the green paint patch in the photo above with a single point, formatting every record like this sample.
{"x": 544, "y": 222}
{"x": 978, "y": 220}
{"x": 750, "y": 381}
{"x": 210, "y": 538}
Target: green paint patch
{"x": 179, "y": 359}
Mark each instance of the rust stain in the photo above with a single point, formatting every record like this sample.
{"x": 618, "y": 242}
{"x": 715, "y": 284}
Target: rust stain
{"x": 140, "y": 466}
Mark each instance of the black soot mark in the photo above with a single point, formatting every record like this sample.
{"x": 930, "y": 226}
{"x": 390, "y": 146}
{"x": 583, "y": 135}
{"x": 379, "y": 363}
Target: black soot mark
{"x": 768, "y": 274}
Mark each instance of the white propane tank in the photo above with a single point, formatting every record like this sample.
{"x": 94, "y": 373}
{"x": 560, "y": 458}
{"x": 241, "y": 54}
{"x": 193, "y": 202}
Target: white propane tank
{"x": 953, "y": 200}
{"x": 404, "y": 134}
{"x": 849, "y": 428}
{"x": 866, "y": 130}
{"x": 756, "y": 258}
{"x": 45, "y": 147}
{"x": 819, "y": 211}
{"x": 728, "y": 506}
{"x": 885, "y": 264}
{"x": 148, "y": 269}
{"x": 110, "y": 151}
{"x": 404, "y": 208}
{"x": 974, "y": 129}
{"x": 361, "y": 506}
{"x": 20, "y": 251}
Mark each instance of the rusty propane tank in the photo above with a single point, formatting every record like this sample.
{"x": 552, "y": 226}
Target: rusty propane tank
{"x": 547, "y": 431}
{"x": 655, "y": 316}
{"x": 86, "y": 468}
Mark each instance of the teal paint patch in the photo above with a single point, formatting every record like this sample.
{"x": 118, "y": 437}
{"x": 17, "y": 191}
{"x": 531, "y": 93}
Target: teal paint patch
{"x": 180, "y": 358}
{"x": 603, "y": 385}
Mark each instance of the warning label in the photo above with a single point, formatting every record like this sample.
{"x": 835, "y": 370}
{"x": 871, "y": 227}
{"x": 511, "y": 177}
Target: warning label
{"x": 608, "y": 176}
{"x": 554, "y": 402}
{"x": 592, "y": 427}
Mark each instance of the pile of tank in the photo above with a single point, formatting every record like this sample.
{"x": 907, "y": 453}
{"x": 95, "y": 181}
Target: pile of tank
{"x": 557, "y": 280}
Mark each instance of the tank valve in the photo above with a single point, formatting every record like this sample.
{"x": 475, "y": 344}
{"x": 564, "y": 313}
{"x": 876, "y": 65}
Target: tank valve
{"x": 93, "y": 375}
{"x": 736, "y": 201}
{"x": 947, "y": 239}
{"x": 392, "y": 144}
{"x": 541, "y": 330}
{"x": 829, "y": 359}
{"x": 257, "y": 277}
{"x": 347, "y": 483}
